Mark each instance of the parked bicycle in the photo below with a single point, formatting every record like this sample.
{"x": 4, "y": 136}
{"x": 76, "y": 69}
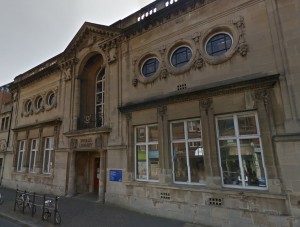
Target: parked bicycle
{"x": 49, "y": 206}
{"x": 23, "y": 201}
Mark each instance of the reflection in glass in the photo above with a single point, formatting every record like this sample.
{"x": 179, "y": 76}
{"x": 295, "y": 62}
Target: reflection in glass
{"x": 153, "y": 156}
{"x": 178, "y": 130}
{"x": 180, "y": 162}
{"x": 153, "y": 133}
{"x": 196, "y": 162}
{"x": 226, "y": 127}
{"x": 247, "y": 125}
{"x": 194, "y": 129}
{"x": 141, "y": 134}
{"x": 229, "y": 161}
{"x": 141, "y": 169}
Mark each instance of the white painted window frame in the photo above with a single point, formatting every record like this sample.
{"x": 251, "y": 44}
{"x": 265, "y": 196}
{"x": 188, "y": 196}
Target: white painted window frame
{"x": 33, "y": 153}
{"x": 21, "y": 158}
{"x": 49, "y": 150}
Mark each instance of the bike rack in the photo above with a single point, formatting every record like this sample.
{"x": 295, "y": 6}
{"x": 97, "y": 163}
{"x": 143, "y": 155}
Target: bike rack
{"x": 36, "y": 201}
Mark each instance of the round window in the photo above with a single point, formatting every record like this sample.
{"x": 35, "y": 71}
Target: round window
{"x": 51, "y": 99}
{"x": 218, "y": 44}
{"x": 181, "y": 56}
{"x": 28, "y": 106}
{"x": 150, "y": 67}
{"x": 39, "y": 103}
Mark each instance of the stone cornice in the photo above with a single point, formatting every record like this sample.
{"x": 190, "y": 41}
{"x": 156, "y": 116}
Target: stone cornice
{"x": 51, "y": 122}
{"x": 164, "y": 15}
{"x": 231, "y": 86}
{"x": 90, "y": 131}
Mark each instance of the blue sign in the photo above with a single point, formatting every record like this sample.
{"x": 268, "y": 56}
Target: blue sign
{"x": 115, "y": 175}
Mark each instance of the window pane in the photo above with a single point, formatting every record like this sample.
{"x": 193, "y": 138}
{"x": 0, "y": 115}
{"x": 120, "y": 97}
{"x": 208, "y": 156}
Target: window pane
{"x": 180, "y": 164}
{"x": 194, "y": 129}
{"x": 196, "y": 156}
{"x": 247, "y": 125}
{"x": 20, "y": 160}
{"x": 153, "y": 161}
{"x": 153, "y": 133}
{"x": 32, "y": 161}
{"x": 178, "y": 130}
{"x": 230, "y": 162}
{"x": 141, "y": 155}
{"x": 141, "y": 135}
{"x": 252, "y": 162}
{"x": 46, "y": 161}
{"x": 226, "y": 127}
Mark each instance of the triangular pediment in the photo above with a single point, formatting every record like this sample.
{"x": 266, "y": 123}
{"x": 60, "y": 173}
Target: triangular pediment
{"x": 89, "y": 34}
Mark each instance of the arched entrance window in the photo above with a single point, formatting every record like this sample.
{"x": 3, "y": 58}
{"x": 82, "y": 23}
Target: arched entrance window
{"x": 100, "y": 92}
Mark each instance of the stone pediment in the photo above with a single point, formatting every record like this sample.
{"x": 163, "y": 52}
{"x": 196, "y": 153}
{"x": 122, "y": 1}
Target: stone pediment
{"x": 88, "y": 35}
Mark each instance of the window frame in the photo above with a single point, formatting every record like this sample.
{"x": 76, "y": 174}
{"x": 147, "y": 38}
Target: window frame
{"x": 33, "y": 158}
{"x": 48, "y": 151}
{"x": 21, "y": 158}
{"x": 100, "y": 79}
{"x": 156, "y": 63}
{"x": 186, "y": 141}
{"x": 238, "y": 138}
{"x": 213, "y": 36}
{"x": 181, "y": 64}
{"x": 147, "y": 143}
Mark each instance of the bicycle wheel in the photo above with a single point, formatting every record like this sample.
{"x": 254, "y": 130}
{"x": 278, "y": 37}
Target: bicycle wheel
{"x": 34, "y": 209}
{"x": 57, "y": 218}
{"x": 46, "y": 214}
{"x": 20, "y": 202}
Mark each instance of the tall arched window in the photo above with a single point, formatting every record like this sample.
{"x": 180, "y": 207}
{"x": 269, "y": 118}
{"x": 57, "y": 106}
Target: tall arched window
{"x": 100, "y": 92}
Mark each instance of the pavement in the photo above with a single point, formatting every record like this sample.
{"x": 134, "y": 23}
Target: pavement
{"x": 83, "y": 210}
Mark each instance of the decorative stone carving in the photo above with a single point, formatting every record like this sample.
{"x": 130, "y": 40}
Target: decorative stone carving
{"x": 262, "y": 95}
{"x": 206, "y": 104}
{"x": 162, "y": 110}
{"x": 98, "y": 142}
{"x": 242, "y": 45}
{"x": 73, "y": 143}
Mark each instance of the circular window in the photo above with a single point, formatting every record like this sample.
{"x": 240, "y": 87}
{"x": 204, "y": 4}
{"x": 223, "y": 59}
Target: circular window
{"x": 51, "y": 99}
{"x": 181, "y": 56}
{"x": 150, "y": 67}
{"x": 28, "y": 106}
{"x": 218, "y": 44}
{"x": 39, "y": 103}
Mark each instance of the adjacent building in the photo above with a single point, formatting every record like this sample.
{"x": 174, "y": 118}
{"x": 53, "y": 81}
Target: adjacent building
{"x": 184, "y": 109}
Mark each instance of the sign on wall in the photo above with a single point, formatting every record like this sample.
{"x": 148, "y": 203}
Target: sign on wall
{"x": 115, "y": 175}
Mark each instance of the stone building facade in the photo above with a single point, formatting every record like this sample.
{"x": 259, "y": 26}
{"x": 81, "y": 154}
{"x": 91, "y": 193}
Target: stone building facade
{"x": 184, "y": 109}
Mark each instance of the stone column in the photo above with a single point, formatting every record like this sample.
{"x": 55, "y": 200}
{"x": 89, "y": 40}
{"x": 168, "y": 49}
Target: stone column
{"x": 102, "y": 176}
{"x": 71, "y": 174}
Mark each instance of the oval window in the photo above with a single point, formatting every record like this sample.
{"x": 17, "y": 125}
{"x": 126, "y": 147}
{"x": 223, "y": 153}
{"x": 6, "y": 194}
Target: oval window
{"x": 51, "y": 99}
{"x": 181, "y": 56}
{"x": 39, "y": 103}
{"x": 218, "y": 44}
{"x": 150, "y": 67}
{"x": 28, "y": 106}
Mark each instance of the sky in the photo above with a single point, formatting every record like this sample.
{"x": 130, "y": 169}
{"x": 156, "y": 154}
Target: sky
{"x": 33, "y": 31}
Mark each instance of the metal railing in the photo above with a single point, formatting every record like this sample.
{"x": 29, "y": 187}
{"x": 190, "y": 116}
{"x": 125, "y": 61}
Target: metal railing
{"x": 89, "y": 121}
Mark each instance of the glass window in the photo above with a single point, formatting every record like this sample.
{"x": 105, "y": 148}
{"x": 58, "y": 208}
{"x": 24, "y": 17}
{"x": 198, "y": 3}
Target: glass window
{"x": 240, "y": 151}
{"x": 150, "y": 67}
{"x": 33, "y": 152}
{"x": 39, "y": 103}
{"x": 218, "y": 44}
{"x": 100, "y": 92}
{"x": 47, "y": 162}
{"x": 21, "y": 155}
{"x": 187, "y": 152}
{"x": 147, "y": 153}
{"x": 28, "y": 106}
{"x": 181, "y": 56}
{"x": 51, "y": 99}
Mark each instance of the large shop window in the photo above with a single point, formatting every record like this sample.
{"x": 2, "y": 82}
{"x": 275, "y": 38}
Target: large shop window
{"x": 100, "y": 92}
{"x": 240, "y": 151}
{"x": 147, "y": 154}
{"x": 47, "y": 162}
{"x": 33, "y": 153}
{"x": 21, "y": 155}
{"x": 187, "y": 152}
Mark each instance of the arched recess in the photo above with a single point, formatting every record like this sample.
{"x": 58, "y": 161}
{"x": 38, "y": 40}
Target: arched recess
{"x": 91, "y": 110}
